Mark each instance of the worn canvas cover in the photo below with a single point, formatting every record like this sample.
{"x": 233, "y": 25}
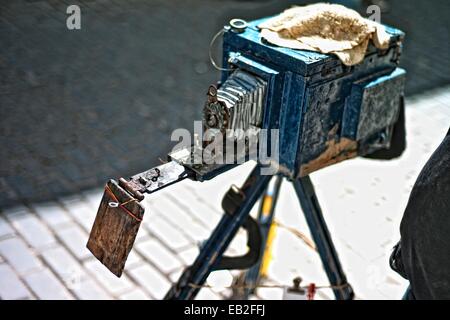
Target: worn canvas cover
{"x": 326, "y": 28}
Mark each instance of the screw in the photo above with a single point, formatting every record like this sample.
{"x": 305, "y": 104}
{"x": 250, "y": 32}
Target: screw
{"x": 297, "y": 282}
{"x": 142, "y": 180}
{"x": 212, "y": 91}
{"x": 238, "y": 25}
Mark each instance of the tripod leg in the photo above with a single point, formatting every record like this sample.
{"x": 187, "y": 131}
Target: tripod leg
{"x": 194, "y": 276}
{"x": 265, "y": 218}
{"x": 330, "y": 260}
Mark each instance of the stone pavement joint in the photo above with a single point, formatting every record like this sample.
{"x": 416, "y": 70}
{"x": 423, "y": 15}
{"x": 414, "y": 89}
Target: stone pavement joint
{"x": 33, "y": 231}
{"x": 19, "y": 255}
{"x": 159, "y": 255}
{"x": 46, "y": 286}
{"x": 11, "y": 287}
{"x": 75, "y": 239}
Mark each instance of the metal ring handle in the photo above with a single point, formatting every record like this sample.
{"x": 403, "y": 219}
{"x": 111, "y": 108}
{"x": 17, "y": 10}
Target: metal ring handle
{"x": 211, "y": 59}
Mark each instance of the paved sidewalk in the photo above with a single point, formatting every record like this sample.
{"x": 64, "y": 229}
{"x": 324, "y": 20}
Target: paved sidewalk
{"x": 43, "y": 254}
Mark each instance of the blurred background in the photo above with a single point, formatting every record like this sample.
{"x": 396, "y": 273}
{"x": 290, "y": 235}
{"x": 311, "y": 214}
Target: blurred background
{"x": 79, "y": 107}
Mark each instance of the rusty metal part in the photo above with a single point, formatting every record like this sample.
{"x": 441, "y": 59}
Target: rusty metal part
{"x": 159, "y": 177}
{"x": 129, "y": 187}
{"x": 215, "y": 113}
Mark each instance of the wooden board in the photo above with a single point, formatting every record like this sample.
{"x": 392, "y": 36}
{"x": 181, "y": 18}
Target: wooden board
{"x": 115, "y": 227}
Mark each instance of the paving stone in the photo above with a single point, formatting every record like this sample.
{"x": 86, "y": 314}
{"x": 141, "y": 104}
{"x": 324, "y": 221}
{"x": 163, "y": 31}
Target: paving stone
{"x": 142, "y": 234}
{"x": 220, "y": 281}
{"x": 165, "y": 260}
{"x": 195, "y": 206}
{"x": 15, "y": 211}
{"x": 392, "y": 289}
{"x": 205, "y": 207}
{"x": 80, "y": 212}
{"x": 191, "y": 209}
{"x": 64, "y": 265}
{"x": 19, "y": 255}
{"x": 52, "y": 213}
{"x": 133, "y": 259}
{"x": 90, "y": 290}
{"x": 75, "y": 239}
{"x": 174, "y": 276}
{"x": 182, "y": 221}
{"x": 207, "y": 294}
{"x": 5, "y": 228}
{"x": 93, "y": 197}
{"x": 33, "y": 231}
{"x": 188, "y": 256}
{"x": 136, "y": 294}
{"x": 11, "y": 287}
{"x": 114, "y": 285}
{"x": 46, "y": 286}
{"x": 293, "y": 260}
{"x": 151, "y": 279}
{"x": 171, "y": 236}
{"x": 270, "y": 293}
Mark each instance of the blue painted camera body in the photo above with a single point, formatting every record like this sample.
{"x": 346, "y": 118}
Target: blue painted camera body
{"x": 325, "y": 111}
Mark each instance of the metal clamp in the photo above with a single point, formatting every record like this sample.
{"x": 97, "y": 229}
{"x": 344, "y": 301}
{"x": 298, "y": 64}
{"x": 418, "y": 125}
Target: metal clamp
{"x": 231, "y": 202}
{"x": 128, "y": 187}
{"x": 254, "y": 244}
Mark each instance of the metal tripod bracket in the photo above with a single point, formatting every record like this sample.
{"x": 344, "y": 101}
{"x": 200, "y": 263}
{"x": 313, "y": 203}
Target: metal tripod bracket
{"x": 231, "y": 202}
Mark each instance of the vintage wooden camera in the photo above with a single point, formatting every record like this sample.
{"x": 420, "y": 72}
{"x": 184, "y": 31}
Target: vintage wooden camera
{"x": 324, "y": 112}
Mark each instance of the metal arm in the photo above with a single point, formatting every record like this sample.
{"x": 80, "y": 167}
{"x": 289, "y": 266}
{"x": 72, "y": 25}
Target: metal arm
{"x": 330, "y": 260}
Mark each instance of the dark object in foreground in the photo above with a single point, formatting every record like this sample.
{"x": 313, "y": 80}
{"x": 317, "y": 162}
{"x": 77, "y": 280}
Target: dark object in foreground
{"x": 423, "y": 254}
{"x": 319, "y": 112}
